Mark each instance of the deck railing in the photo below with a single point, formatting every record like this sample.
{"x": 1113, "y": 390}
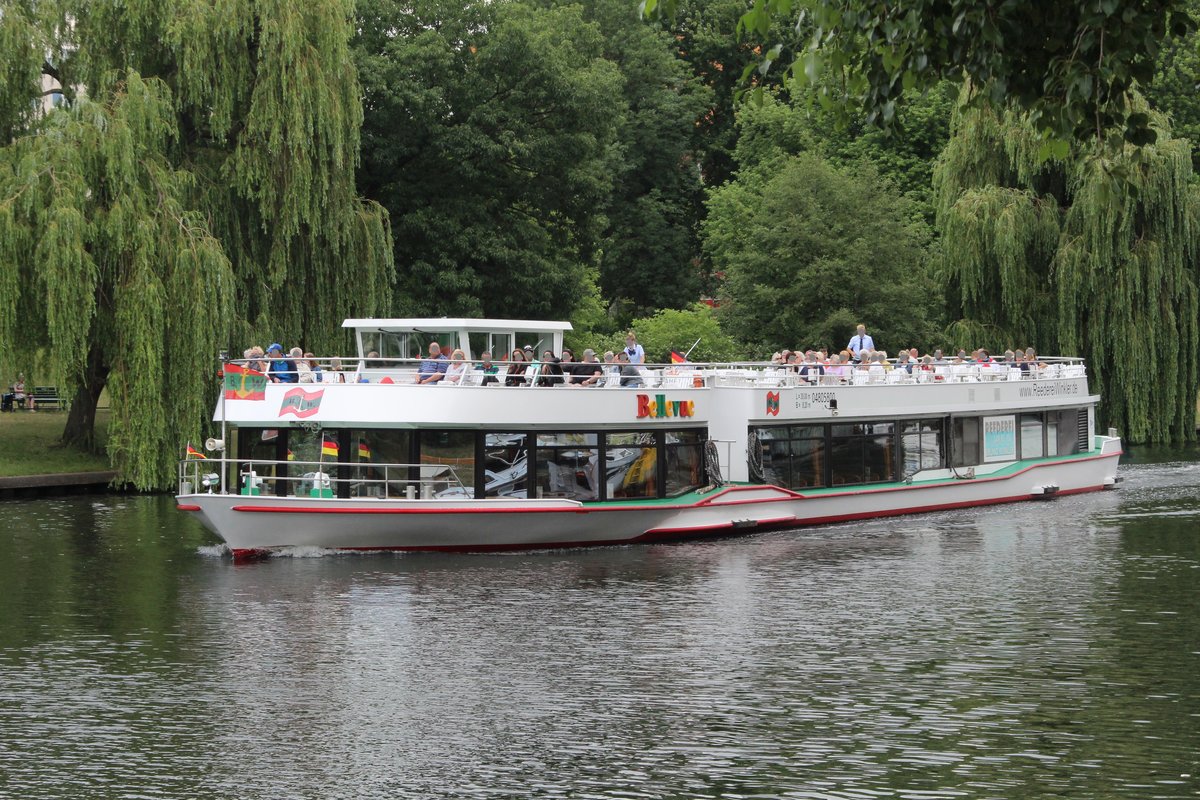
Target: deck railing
{"x": 701, "y": 374}
{"x": 319, "y": 478}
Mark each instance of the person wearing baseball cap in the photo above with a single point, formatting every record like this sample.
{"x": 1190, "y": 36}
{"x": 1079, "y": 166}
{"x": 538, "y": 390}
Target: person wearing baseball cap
{"x": 279, "y": 369}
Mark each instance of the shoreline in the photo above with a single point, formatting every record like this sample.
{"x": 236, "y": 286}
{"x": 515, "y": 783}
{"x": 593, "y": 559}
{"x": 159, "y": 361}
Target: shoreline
{"x": 63, "y": 483}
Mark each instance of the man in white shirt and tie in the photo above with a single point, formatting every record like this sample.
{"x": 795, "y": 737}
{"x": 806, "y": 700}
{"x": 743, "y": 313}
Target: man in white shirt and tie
{"x": 860, "y": 342}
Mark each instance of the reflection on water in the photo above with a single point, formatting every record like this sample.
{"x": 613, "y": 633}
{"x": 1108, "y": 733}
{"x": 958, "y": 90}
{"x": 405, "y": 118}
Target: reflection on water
{"x": 1022, "y": 651}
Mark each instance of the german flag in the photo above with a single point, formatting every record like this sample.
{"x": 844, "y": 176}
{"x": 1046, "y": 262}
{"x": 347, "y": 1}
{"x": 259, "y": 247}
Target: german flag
{"x": 291, "y": 455}
{"x": 194, "y": 453}
{"x": 678, "y": 357}
{"x": 329, "y": 448}
{"x": 364, "y": 450}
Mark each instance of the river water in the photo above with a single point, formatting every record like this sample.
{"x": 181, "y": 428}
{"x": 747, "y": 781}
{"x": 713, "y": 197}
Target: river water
{"x": 1032, "y": 650}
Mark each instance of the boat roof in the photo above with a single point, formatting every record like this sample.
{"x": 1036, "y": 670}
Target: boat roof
{"x": 419, "y": 324}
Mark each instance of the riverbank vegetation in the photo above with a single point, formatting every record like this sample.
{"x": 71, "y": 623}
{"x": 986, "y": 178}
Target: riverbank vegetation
{"x": 30, "y": 444}
{"x": 177, "y": 179}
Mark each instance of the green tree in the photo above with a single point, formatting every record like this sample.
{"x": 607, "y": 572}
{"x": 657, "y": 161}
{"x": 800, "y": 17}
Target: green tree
{"x": 1093, "y": 255}
{"x": 808, "y": 250}
{"x": 1173, "y": 90}
{"x": 195, "y": 189}
{"x": 679, "y": 329}
{"x": 650, "y": 247}
{"x": 489, "y": 139}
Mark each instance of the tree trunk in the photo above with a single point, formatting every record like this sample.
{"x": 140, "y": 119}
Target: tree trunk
{"x": 80, "y": 431}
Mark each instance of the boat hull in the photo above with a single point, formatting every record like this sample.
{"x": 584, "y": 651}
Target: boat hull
{"x": 251, "y": 525}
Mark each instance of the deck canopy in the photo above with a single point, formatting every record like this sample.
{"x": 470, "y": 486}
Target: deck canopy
{"x": 409, "y": 337}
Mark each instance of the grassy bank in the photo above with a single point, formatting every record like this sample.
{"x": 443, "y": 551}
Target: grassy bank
{"x": 29, "y": 444}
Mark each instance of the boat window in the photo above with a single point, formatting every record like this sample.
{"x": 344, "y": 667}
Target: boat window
{"x": 500, "y": 344}
{"x": 538, "y": 341}
{"x": 370, "y": 342}
{"x": 545, "y": 439}
{"x": 921, "y": 444}
{"x": 684, "y": 451}
{"x": 444, "y": 456}
{"x": 1031, "y": 436}
{"x": 505, "y": 464}
{"x": 383, "y": 446}
{"x": 965, "y": 442}
{"x": 632, "y": 465}
{"x": 569, "y": 470}
{"x": 392, "y": 346}
{"x": 417, "y": 344}
{"x": 808, "y": 462}
{"x": 864, "y": 455}
{"x": 693, "y": 436}
{"x": 1069, "y": 421}
{"x": 795, "y": 457}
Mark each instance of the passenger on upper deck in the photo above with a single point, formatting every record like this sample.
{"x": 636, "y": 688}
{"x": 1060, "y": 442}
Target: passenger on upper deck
{"x": 629, "y": 373}
{"x": 335, "y": 374}
{"x": 515, "y": 376}
{"x": 304, "y": 371}
{"x": 280, "y": 370}
{"x": 551, "y": 373}
{"x": 588, "y": 372}
{"x": 256, "y": 359}
{"x": 634, "y": 350}
{"x": 433, "y": 369}
{"x": 488, "y": 369}
{"x": 457, "y": 368}
{"x": 811, "y": 371}
{"x": 859, "y": 342}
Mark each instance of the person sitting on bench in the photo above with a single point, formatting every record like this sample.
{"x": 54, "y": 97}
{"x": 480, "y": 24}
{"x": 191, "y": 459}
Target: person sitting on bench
{"x": 17, "y": 396}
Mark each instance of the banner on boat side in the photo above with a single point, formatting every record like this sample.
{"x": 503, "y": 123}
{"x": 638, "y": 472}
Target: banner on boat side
{"x": 772, "y": 404}
{"x": 301, "y": 403}
{"x": 659, "y": 406}
{"x": 1000, "y": 438}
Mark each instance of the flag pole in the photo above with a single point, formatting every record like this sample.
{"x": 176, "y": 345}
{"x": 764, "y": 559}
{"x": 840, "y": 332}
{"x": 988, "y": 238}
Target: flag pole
{"x": 693, "y": 347}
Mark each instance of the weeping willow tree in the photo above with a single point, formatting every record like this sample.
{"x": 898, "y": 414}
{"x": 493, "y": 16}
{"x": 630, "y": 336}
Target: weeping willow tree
{"x": 194, "y": 189}
{"x": 1088, "y": 253}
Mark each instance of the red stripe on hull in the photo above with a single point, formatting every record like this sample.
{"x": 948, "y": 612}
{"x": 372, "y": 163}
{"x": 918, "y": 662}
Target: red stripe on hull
{"x": 683, "y": 534}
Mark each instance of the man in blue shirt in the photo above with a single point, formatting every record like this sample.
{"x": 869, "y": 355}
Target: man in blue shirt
{"x": 860, "y": 342}
{"x": 433, "y": 369}
{"x": 280, "y": 369}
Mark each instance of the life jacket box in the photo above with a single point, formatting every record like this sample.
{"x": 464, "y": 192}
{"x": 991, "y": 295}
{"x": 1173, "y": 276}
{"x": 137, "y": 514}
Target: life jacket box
{"x": 321, "y": 493}
{"x": 253, "y": 491}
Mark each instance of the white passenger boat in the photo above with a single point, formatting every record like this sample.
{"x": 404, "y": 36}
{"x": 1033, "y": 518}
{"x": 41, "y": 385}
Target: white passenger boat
{"x": 382, "y": 463}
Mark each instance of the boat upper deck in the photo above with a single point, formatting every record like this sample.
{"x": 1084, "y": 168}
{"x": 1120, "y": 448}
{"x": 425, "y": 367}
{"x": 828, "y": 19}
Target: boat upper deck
{"x": 388, "y": 395}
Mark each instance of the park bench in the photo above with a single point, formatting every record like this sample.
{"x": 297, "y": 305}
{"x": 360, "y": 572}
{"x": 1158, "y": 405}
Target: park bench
{"x": 46, "y": 397}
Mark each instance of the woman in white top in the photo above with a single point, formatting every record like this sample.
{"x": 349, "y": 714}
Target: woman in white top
{"x": 457, "y": 369}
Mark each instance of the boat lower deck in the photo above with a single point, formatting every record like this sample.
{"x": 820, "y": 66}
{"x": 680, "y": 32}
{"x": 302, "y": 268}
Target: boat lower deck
{"x": 251, "y": 524}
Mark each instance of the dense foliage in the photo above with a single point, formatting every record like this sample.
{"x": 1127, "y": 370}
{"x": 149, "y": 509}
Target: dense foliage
{"x": 1091, "y": 255}
{"x": 809, "y": 250}
{"x": 196, "y": 184}
{"x": 194, "y": 189}
{"x": 1068, "y": 65}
